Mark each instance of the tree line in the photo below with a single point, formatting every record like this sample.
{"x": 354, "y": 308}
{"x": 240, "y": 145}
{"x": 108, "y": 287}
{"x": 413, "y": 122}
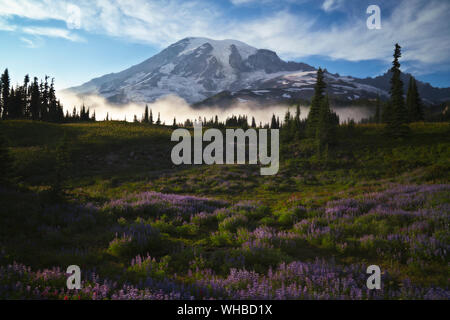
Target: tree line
{"x": 36, "y": 100}
{"x": 398, "y": 112}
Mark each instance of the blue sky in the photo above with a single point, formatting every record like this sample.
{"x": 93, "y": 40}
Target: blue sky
{"x": 75, "y": 41}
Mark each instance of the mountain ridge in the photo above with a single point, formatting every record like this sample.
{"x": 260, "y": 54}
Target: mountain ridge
{"x": 197, "y": 69}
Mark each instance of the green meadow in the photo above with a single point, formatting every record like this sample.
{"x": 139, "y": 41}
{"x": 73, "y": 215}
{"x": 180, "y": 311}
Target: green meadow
{"x": 127, "y": 213}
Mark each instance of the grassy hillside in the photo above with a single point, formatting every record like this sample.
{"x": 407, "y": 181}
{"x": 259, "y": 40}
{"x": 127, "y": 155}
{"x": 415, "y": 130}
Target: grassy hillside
{"x": 200, "y": 231}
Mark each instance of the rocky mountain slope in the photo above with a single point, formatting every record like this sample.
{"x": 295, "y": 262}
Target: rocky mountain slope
{"x": 206, "y": 71}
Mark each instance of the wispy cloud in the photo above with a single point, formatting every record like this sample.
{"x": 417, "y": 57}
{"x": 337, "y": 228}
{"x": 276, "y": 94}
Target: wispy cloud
{"x": 53, "y": 33}
{"x": 28, "y": 42}
{"x": 331, "y": 5}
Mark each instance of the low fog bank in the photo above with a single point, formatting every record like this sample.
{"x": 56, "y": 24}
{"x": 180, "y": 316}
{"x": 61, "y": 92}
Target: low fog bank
{"x": 173, "y": 106}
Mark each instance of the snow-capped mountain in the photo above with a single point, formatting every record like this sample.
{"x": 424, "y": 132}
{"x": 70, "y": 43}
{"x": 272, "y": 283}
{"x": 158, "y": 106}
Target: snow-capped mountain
{"x": 196, "y": 69}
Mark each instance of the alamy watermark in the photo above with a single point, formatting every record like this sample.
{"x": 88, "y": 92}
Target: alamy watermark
{"x": 213, "y": 153}
{"x": 374, "y": 281}
{"x": 74, "y": 280}
{"x": 374, "y": 20}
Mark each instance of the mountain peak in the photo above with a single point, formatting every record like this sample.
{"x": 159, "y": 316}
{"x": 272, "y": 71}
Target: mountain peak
{"x": 193, "y": 68}
{"x": 197, "y": 68}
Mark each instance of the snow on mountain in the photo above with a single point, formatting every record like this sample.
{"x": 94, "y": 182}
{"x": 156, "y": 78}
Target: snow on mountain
{"x": 194, "y": 69}
{"x": 201, "y": 69}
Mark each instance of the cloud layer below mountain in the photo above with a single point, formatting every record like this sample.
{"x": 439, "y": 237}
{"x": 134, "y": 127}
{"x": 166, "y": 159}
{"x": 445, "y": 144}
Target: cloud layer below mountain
{"x": 170, "y": 106}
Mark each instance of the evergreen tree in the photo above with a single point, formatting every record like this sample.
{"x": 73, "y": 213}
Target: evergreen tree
{"x": 26, "y": 97}
{"x": 135, "y": 119}
{"x": 297, "y": 117}
{"x": 253, "y": 122}
{"x": 52, "y": 103}
{"x": 386, "y": 112}
{"x": 35, "y": 100}
{"x": 146, "y": 114}
{"x": 59, "y": 112}
{"x": 273, "y": 124}
{"x": 377, "y": 117}
{"x": 44, "y": 99}
{"x": 324, "y": 123}
{"x": 12, "y": 105}
{"x": 174, "y": 122}
{"x": 158, "y": 122}
{"x": 151, "y": 117}
{"x": 398, "y": 117}
{"x": 313, "y": 116}
{"x": 414, "y": 102}
{"x": 5, "y": 93}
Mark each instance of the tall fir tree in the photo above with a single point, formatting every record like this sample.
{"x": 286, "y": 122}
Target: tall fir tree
{"x": 44, "y": 99}
{"x": 326, "y": 124}
{"x": 313, "y": 116}
{"x": 26, "y": 97}
{"x": 151, "y": 117}
{"x": 52, "y": 103}
{"x": 145, "y": 120}
{"x": 414, "y": 102}
{"x": 5, "y": 93}
{"x": 398, "y": 118}
{"x": 35, "y": 100}
{"x": 273, "y": 124}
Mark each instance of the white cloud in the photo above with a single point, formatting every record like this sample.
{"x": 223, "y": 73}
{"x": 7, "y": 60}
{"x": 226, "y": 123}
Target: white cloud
{"x": 52, "y": 32}
{"x": 420, "y": 26}
{"x": 28, "y": 42}
{"x": 331, "y": 5}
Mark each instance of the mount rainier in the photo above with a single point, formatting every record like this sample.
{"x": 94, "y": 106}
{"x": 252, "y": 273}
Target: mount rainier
{"x": 206, "y": 71}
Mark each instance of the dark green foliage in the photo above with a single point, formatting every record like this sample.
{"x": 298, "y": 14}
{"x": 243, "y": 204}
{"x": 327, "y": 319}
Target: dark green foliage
{"x": 413, "y": 102}
{"x": 326, "y": 125}
{"x": 35, "y": 101}
{"x": 5, "y": 80}
{"x": 397, "y": 115}
{"x": 145, "y": 120}
{"x": 314, "y": 113}
{"x": 321, "y": 123}
{"x": 273, "y": 123}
